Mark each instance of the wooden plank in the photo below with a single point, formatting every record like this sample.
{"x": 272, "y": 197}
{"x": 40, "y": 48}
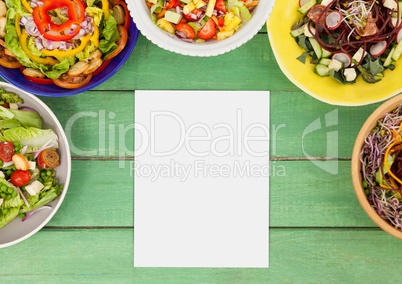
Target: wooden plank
{"x": 296, "y": 256}
{"x": 151, "y": 67}
{"x": 301, "y": 195}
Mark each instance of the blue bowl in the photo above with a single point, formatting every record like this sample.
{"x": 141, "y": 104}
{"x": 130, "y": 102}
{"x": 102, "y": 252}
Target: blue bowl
{"x": 14, "y": 76}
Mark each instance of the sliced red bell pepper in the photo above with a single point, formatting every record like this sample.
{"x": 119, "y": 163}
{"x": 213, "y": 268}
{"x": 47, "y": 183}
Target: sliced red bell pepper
{"x": 52, "y": 31}
{"x": 172, "y": 4}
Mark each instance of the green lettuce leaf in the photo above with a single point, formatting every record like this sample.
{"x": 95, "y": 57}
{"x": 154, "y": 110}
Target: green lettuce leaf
{"x": 96, "y": 13}
{"x": 9, "y": 123}
{"x": 110, "y": 34}
{"x": 36, "y": 202}
{"x": 32, "y": 137}
{"x": 7, "y": 97}
{"x": 9, "y": 216}
{"x": 24, "y": 117}
{"x": 12, "y": 202}
{"x": 27, "y": 118}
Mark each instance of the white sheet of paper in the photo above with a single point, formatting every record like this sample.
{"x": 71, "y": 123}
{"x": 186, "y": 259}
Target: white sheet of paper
{"x": 201, "y": 179}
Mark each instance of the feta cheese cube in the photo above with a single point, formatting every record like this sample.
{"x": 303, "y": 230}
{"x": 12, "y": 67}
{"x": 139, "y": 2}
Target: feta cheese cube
{"x": 326, "y": 2}
{"x": 350, "y": 74}
{"x": 34, "y": 188}
{"x": 390, "y": 4}
{"x": 335, "y": 65}
{"x": 358, "y": 56}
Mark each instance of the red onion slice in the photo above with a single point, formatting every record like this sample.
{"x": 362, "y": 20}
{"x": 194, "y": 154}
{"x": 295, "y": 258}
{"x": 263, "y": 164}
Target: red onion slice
{"x": 30, "y": 213}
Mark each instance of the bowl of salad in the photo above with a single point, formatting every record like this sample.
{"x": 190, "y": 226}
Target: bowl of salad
{"x": 35, "y": 165}
{"x": 340, "y": 52}
{"x": 377, "y": 166}
{"x": 65, "y": 47}
{"x": 200, "y": 27}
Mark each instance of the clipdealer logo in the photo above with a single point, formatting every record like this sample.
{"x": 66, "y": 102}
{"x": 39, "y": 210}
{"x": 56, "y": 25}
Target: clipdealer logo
{"x": 329, "y": 163}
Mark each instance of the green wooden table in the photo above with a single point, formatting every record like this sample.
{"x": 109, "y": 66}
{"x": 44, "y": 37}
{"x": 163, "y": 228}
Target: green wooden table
{"x": 318, "y": 231}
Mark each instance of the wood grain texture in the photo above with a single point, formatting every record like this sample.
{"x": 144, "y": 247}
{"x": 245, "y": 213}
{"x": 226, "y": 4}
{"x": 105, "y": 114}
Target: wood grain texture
{"x": 319, "y": 233}
{"x": 296, "y": 256}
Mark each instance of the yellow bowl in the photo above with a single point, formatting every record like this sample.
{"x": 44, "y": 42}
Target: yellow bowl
{"x": 326, "y": 89}
{"x": 356, "y": 165}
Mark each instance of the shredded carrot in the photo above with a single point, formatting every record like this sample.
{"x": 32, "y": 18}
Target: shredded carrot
{"x": 161, "y": 14}
{"x": 149, "y": 4}
{"x": 386, "y": 164}
{"x": 215, "y": 19}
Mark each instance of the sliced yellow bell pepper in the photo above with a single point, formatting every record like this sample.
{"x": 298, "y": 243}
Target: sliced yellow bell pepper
{"x": 105, "y": 8}
{"x": 37, "y": 59}
{"x": 26, "y": 6}
{"x": 17, "y": 24}
{"x": 95, "y": 36}
{"x": 69, "y": 52}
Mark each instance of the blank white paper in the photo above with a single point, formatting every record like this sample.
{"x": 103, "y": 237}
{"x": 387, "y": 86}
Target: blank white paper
{"x": 201, "y": 179}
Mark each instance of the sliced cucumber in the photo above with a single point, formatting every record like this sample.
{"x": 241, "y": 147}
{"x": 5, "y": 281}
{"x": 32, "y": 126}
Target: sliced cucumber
{"x": 388, "y": 60}
{"x": 325, "y": 61}
{"x": 322, "y": 70}
{"x": 317, "y": 48}
{"x": 298, "y": 31}
{"x": 304, "y": 9}
{"x": 326, "y": 53}
{"x": 379, "y": 76}
{"x": 397, "y": 52}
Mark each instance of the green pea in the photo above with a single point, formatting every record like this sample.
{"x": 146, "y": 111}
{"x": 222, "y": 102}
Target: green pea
{"x": 10, "y": 190}
{"x": 4, "y": 188}
{"x": 5, "y": 211}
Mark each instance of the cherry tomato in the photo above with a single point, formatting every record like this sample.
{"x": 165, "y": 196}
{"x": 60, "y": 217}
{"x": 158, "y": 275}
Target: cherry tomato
{"x": 121, "y": 43}
{"x": 20, "y": 177}
{"x": 40, "y": 162}
{"x": 6, "y": 151}
{"x": 72, "y": 82}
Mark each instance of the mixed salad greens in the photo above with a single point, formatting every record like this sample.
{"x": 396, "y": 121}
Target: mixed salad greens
{"x": 28, "y": 158}
{"x": 64, "y": 42}
{"x": 348, "y": 38}
{"x": 381, "y": 158}
{"x": 201, "y": 20}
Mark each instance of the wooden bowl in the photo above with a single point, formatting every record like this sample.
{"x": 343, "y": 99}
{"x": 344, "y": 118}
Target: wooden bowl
{"x": 356, "y": 165}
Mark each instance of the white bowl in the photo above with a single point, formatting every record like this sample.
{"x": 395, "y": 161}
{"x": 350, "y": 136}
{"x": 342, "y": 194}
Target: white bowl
{"x": 17, "y": 231}
{"x": 142, "y": 18}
